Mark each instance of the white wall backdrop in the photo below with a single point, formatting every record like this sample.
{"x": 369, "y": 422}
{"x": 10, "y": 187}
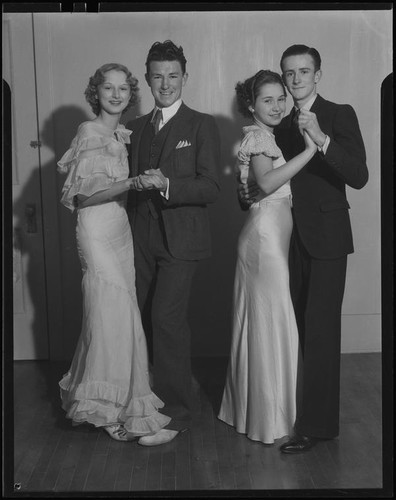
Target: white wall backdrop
{"x": 221, "y": 48}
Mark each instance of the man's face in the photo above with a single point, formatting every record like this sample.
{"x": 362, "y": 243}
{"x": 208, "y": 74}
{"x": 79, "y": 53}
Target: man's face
{"x": 300, "y": 77}
{"x": 166, "y": 81}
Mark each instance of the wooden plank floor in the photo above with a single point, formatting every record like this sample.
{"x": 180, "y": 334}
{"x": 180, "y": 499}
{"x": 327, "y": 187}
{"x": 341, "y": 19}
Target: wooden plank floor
{"x": 52, "y": 456}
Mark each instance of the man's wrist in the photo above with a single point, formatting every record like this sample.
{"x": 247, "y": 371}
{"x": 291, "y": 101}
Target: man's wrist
{"x": 165, "y": 188}
{"x": 322, "y": 141}
{"x": 323, "y": 145}
{"x": 165, "y": 191}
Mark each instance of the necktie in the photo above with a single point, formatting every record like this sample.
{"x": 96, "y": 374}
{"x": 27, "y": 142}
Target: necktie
{"x": 156, "y": 120}
{"x": 296, "y": 137}
{"x": 296, "y": 113}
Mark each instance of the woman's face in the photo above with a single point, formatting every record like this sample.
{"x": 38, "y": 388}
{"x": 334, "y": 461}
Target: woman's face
{"x": 113, "y": 94}
{"x": 270, "y": 104}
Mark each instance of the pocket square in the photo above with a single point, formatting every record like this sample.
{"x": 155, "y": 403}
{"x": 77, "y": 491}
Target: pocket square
{"x": 183, "y": 144}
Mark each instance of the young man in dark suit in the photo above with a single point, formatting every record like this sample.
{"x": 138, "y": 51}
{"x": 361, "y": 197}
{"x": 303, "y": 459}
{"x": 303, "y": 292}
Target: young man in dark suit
{"x": 175, "y": 151}
{"x": 321, "y": 240}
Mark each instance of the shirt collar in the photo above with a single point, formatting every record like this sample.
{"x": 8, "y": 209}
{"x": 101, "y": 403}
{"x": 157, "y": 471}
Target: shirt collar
{"x": 170, "y": 111}
{"x": 308, "y": 104}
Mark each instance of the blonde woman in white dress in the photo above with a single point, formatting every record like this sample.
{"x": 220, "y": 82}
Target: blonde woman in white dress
{"x": 260, "y": 391}
{"x": 107, "y": 384}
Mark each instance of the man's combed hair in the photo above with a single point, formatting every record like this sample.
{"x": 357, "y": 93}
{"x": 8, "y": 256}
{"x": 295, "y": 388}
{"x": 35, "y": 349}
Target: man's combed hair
{"x": 166, "y": 51}
{"x": 298, "y": 50}
{"x": 247, "y": 91}
{"x": 99, "y": 77}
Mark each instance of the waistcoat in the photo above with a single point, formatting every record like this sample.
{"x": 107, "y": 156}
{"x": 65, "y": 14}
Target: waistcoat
{"x": 150, "y": 150}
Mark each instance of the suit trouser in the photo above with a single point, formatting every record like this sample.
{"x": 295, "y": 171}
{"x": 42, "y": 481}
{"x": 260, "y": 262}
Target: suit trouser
{"x": 317, "y": 289}
{"x": 163, "y": 286}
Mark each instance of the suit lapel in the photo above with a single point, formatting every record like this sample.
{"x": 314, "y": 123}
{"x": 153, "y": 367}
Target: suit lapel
{"x": 320, "y": 108}
{"x": 177, "y": 131}
{"x": 317, "y": 105}
{"x": 135, "y": 143}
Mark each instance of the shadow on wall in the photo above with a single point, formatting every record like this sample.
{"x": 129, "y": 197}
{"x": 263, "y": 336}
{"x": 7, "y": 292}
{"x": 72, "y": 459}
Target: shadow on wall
{"x": 69, "y": 288}
{"x": 57, "y": 133}
{"x": 211, "y": 296}
{"x": 69, "y": 116}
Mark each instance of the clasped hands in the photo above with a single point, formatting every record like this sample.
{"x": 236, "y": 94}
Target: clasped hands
{"x": 313, "y": 137}
{"x": 307, "y": 121}
{"x": 247, "y": 192}
{"x": 150, "y": 179}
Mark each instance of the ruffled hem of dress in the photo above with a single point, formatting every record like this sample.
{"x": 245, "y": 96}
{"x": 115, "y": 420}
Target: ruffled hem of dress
{"x": 100, "y": 415}
{"x": 102, "y": 391}
{"x": 103, "y": 404}
{"x": 141, "y": 426}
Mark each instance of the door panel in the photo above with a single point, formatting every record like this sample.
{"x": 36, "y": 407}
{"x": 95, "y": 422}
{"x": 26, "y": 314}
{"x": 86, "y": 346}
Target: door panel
{"x": 30, "y": 309}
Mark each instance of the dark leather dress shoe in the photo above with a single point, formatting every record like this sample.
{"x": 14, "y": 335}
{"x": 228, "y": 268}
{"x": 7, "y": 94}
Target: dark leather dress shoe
{"x": 298, "y": 444}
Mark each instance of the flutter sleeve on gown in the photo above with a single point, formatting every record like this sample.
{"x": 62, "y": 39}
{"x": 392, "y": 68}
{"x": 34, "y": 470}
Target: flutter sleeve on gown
{"x": 255, "y": 141}
{"x": 92, "y": 164}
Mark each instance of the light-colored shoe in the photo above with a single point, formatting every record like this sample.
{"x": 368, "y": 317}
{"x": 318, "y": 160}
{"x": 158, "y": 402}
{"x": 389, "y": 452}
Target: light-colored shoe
{"x": 118, "y": 432}
{"x": 161, "y": 437}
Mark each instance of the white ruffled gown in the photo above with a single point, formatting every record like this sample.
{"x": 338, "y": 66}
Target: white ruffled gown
{"x": 108, "y": 380}
{"x": 259, "y": 397}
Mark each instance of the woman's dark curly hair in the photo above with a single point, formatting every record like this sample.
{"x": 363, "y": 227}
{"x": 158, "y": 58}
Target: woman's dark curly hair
{"x": 99, "y": 77}
{"x": 247, "y": 91}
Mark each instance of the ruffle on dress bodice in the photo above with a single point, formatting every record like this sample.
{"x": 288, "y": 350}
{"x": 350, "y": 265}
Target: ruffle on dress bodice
{"x": 95, "y": 160}
{"x": 258, "y": 140}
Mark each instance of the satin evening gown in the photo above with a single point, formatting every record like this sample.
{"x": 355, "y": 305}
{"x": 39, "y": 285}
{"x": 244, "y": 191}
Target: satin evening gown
{"x": 108, "y": 380}
{"x": 259, "y": 398}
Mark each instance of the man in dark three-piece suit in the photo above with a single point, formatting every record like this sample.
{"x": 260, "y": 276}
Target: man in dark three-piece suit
{"x": 321, "y": 239}
{"x": 175, "y": 151}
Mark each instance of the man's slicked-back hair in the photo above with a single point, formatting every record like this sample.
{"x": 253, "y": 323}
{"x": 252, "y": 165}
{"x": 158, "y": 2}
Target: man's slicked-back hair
{"x": 298, "y": 50}
{"x": 166, "y": 51}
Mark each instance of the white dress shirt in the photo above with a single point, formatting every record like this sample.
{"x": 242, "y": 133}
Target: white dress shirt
{"x": 168, "y": 113}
